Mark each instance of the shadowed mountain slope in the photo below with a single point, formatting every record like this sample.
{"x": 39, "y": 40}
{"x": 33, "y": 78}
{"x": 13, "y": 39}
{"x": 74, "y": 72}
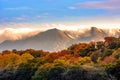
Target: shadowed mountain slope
{"x": 51, "y": 40}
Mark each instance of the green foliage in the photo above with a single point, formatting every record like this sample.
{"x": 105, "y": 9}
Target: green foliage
{"x": 95, "y": 55}
{"x": 59, "y": 62}
{"x": 42, "y": 72}
{"x": 118, "y": 43}
{"x": 26, "y": 70}
{"x": 76, "y": 73}
{"x": 71, "y": 49}
{"x": 85, "y": 60}
{"x": 84, "y": 52}
{"x": 116, "y": 53}
{"x": 107, "y": 53}
{"x": 49, "y": 72}
{"x": 113, "y": 45}
{"x": 7, "y": 75}
{"x": 99, "y": 76}
{"x": 56, "y": 73}
{"x": 114, "y": 70}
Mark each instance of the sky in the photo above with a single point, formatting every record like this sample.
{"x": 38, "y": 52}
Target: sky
{"x": 61, "y": 14}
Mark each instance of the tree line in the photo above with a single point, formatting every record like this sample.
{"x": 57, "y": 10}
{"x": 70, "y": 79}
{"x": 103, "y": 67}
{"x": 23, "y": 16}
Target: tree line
{"x": 84, "y": 61}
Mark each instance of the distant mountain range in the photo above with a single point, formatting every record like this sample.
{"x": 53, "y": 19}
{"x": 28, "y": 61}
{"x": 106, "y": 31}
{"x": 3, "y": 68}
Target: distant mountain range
{"x": 54, "y": 39}
{"x": 92, "y": 34}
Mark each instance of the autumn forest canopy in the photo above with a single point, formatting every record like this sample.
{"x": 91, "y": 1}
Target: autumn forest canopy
{"x": 84, "y": 61}
{"x": 59, "y": 39}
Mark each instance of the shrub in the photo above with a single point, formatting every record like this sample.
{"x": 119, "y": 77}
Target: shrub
{"x": 56, "y": 73}
{"x": 95, "y": 55}
{"x": 116, "y": 53}
{"x": 107, "y": 53}
{"x": 114, "y": 70}
{"x": 76, "y": 73}
{"x": 42, "y": 72}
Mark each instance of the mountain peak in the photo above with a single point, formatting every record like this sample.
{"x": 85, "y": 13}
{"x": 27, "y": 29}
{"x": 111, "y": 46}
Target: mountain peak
{"x": 54, "y": 29}
{"x": 94, "y": 28}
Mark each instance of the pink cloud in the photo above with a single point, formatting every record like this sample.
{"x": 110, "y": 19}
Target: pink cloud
{"x": 16, "y": 34}
{"x": 106, "y": 5}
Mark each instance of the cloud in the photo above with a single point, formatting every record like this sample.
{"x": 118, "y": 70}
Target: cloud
{"x": 105, "y": 5}
{"x": 18, "y": 8}
{"x": 16, "y": 31}
{"x": 21, "y": 18}
{"x": 73, "y": 7}
{"x": 20, "y": 33}
{"x": 16, "y": 34}
{"x": 44, "y": 15}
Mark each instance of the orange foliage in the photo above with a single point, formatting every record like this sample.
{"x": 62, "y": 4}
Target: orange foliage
{"x": 52, "y": 56}
{"x": 63, "y": 53}
{"x": 80, "y": 46}
{"x": 65, "y": 57}
{"x": 6, "y": 52}
{"x": 73, "y": 60}
{"x": 9, "y": 60}
{"x": 108, "y": 60}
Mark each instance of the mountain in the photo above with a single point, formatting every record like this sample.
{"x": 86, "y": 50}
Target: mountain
{"x": 55, "y": 40}
{"x": 92, "y": 34}
{"x": 50, "y": 40}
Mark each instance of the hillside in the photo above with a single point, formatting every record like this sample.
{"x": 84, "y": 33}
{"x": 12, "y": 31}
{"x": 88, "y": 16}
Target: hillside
{"x": 83, "y": 61}
{"x": 53, "y": 37}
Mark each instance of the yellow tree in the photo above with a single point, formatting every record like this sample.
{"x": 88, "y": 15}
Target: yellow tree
{"x": 9, "y": 61}
{"x": 26, "y": 57}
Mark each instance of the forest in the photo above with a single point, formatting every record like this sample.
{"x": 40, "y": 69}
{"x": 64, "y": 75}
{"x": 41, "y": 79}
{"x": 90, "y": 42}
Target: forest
{"x": 84, "y": 61}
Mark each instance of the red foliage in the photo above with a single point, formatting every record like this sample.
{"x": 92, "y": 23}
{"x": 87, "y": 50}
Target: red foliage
{"x": 80, "y": 46}
{"x": 109, "y": 39}
{"x": 109, "y": 59}
{"x": 6, "y": 52}
{"x": 52, "y": 56}
{"x": 63, "y": 53}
